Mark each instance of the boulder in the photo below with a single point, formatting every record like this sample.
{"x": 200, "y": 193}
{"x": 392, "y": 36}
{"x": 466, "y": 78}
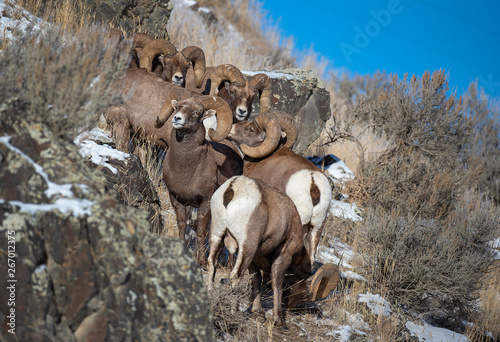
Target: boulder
{"x": 86, "y": 268}
{"x": 301, "y": 94}
{"x": 123, "y": 172}
{"x": 152, "y": 16}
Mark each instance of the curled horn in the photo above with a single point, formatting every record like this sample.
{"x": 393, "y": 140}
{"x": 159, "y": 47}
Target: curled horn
{"x": 224, "y": 116}
{"x": 197, "y": 57}
{"x": 270, "y": 124}
{"x": 263, "y": 83}
{"x": 289, "y": 126}
{"x": 225, "y": 72}
{"x": 167, "y": 109}
{"x": 324, "y": 281}
{"x": 152, "y": 49}
{"x": 139, "y": 40}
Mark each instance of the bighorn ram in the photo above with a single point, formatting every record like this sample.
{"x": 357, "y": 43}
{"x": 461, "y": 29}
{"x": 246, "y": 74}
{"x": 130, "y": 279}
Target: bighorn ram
{"x": 148, "y": 98}
{"x": 162, "y": 58}
{"x": 194, "y": 168}
{"x": 227, "y": 82}
{"x": 267, "y": 229}
{"x": 277, "y": 165}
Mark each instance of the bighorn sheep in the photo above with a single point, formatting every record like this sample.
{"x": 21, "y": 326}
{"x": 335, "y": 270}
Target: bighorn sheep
{"x": 285, "y": 170}
{"x": 148, "y": 98}
{"x": 162, "y": 58}
{"x": 227, "y": 82}
{"x": 267, "y": 229}
{"x": 194, "y": 168}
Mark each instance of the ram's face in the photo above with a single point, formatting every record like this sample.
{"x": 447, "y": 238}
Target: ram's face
{"x": 247, "y": 133}
{"x": 187, "y": 115}
{"x": 175, "y": 69}
{"x": 239, "y": 98}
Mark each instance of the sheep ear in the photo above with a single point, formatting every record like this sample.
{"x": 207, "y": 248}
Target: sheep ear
{"x": 227, "y": 84}
{"x": 174, "y": 104}
{"x": 161, "y": 58}
{"x": 209, "y": 113}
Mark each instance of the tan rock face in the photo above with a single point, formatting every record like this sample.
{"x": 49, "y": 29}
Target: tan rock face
{"x": 89, "y": 273}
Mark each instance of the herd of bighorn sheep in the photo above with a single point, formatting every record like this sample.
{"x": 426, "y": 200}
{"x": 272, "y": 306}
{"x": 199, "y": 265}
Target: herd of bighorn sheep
{"x": 264, "y": 202}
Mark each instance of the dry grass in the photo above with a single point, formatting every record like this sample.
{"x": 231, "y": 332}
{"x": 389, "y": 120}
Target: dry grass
{"x": 490, "y": 303}
{"x": 68, "y": 14}
{"x": 235, "y": 38}
{"x": 245, "y": 45}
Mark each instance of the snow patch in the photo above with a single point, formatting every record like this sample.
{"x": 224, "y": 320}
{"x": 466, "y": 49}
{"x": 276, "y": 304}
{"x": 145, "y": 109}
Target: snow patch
{"x": 271, "y": 74}
{"x": 428, "y": 333}
{"x": 99, "y": 154}
{"x": 8, "y": 24}
{"x": 65, "y": 204}
{"x": 345, "y": 210}
{"x": 77, "y": 206}
{"x": 333, "y": 166}
{"x": 377, "y": 304}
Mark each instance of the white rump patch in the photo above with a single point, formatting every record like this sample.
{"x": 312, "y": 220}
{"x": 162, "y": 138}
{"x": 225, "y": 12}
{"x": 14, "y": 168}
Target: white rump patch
{"x": 237, "y": 215}
{"x": 299, "y": 190}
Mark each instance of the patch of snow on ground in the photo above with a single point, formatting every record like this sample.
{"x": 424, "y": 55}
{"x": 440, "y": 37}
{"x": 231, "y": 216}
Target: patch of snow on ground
{"x": 8, "y": 24}
{"x": 336, "y": 247}
{"x": 352, "y": 275}
{"x": 98, "y": 154}
{"x": 186, "y": 3}
{"x": 377, "y": 304}
{"x": 271, "y": 74}
{"x": 428, "y": 333}
{"x": 64, "y": 203}
{"x": 343, "y": 333}
{"x": 344, "y": 210}
{"x": 204, "y": 10}
{"x": 333, "y": 166}
{"x": 78, "y": 206}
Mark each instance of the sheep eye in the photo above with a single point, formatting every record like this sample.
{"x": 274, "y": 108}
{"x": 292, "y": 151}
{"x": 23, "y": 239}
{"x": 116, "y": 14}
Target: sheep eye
{"x": 231, "y": 92}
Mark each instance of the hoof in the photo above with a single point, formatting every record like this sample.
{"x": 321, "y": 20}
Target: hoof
{"x": 259, "y": 316}
{"x": 281, "y": 325}
{"x": 203, "y": 264}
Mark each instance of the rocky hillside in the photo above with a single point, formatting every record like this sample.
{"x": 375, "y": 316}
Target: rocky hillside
{"x": 85, "y": 254}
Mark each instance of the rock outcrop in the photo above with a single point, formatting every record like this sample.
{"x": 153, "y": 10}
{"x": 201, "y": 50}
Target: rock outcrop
{"x": 86, "y": 268}
{"x": 125, "y": 173}
{"x": 301, "y": 94}
{"x": 152, "y": 16}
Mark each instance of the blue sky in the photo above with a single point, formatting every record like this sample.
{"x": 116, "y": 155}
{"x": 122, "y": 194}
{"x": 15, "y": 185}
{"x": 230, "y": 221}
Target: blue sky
{"x": 401, "y": 36}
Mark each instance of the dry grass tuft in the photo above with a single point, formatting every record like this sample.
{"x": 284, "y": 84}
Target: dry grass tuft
{"x": 227, "y": 303}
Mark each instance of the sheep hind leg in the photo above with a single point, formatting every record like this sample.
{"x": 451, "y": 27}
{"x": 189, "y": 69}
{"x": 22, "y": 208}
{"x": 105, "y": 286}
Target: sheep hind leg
{"x": 215, "y": 246}
{"x": 278, "y": 275}
{"x": 257, "y": 309}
